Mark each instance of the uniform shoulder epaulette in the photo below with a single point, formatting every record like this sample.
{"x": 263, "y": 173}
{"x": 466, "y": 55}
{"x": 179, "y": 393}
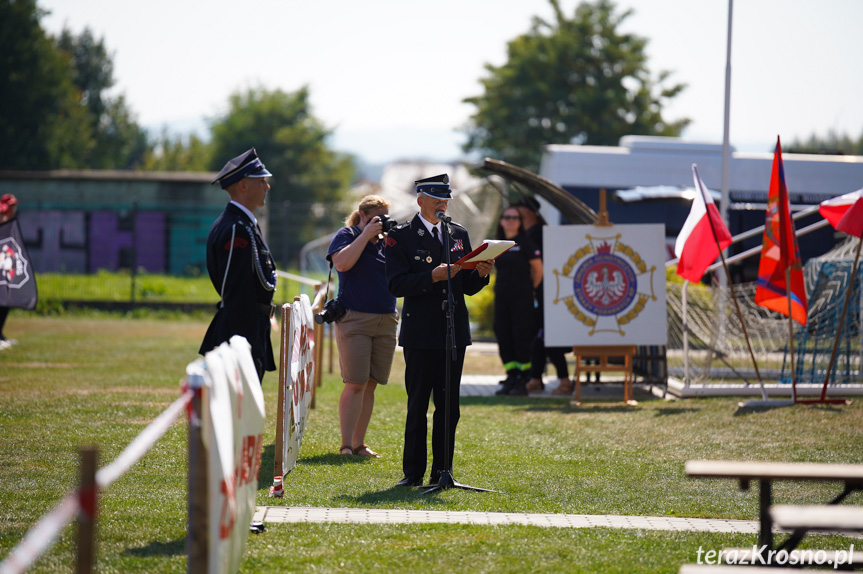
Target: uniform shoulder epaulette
{"x": 459, "y": 225}
{"x": 402, "y": 225}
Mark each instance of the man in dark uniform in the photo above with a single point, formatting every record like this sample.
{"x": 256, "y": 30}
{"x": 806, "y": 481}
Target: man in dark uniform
{"x": 417, "y": 271}
{"x": 239, "y": 263}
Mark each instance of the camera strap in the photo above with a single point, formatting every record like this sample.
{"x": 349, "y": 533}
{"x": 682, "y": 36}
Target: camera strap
{"x": 355, "y": 232}
{"x": 329, "y": 280}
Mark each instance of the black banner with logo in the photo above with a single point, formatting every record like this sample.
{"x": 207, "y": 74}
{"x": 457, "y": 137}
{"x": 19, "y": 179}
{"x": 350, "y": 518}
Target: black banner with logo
{"x": 17, "y": 280}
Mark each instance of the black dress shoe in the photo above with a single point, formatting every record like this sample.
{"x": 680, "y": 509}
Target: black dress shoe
{"x": 410, "y": 481}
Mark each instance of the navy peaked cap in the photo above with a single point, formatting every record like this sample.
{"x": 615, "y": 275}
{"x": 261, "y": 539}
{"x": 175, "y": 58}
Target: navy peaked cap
{"x": 245, "y": 165}
{"x": 436, "y": 186}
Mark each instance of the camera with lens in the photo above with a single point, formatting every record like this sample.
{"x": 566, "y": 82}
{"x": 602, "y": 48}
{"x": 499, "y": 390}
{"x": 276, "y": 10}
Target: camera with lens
{"x": 333, "y": 311}
{"x": 387, "y": 223}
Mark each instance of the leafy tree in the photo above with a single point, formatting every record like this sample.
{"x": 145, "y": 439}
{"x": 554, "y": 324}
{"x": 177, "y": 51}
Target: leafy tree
{"x": 176, "y": 153}
{"x": 575, "y": 80}
{"x": 42, "y": 126}
{"x": 309, "y": 178}
{"x": 118, "y": 142}
{"x": 53, "y": 111}
{"x": 832, "y": 143}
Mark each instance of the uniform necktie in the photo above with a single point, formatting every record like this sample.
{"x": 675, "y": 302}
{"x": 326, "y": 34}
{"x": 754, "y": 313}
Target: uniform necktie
{"x": 436, "y": 238}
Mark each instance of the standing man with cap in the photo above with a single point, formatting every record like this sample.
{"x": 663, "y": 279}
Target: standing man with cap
{"x": 240, "y": 265}
{"x": 417, "y": 271}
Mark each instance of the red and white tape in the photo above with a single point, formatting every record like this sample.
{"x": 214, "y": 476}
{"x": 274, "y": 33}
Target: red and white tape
{"x": 43, "y": 534}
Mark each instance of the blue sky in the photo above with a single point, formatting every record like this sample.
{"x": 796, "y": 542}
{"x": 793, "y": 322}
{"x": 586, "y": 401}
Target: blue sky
{"x": 389, "y": 75}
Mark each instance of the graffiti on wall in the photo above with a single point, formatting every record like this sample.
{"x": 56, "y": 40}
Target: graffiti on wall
{"x": 85, "y": 242}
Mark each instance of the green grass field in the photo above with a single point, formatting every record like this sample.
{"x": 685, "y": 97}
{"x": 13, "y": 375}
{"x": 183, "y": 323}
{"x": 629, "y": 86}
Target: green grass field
{"x": 101, "y": 380}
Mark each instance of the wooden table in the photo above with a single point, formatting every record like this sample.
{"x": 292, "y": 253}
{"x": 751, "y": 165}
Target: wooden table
{"x": 604, "y": 353}
{"x": 850, "y": 475}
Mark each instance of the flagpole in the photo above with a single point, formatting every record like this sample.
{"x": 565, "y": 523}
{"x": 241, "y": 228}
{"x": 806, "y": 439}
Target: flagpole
{"x": 685, "y": 334}
{"x": 731, "y": 287}
{"x": 791, "y": 334}
{"x": 841, "y": 322}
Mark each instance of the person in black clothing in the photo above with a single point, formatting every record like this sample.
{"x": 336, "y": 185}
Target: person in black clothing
{"x": 519, "y": 272}
{"x": 528, "y": 208}
{"x": 8, "y": 210}
{"x": 240, "y": 265}
{"x": 417, "y": 270}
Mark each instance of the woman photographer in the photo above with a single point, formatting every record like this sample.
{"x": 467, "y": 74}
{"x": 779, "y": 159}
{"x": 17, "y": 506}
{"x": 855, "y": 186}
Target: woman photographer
{"x": 366, "y": 334}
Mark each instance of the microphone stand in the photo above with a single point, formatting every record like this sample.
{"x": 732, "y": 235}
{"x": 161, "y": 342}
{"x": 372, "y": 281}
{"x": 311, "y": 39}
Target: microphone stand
{"x": 446, "y": 479}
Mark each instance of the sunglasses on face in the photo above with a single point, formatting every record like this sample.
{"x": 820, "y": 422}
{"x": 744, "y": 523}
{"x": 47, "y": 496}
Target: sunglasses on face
{"x": 509, "y": 217}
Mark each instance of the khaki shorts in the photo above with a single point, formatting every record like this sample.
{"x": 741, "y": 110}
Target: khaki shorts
{"x": 367, "y": 343}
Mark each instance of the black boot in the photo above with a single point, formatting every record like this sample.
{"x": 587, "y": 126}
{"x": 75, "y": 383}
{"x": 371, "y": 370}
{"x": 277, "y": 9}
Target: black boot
{"x": 519, "y": 389}
{"x": 511, "y": 380}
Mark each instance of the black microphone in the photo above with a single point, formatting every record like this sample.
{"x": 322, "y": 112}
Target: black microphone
{"x": 440, "y": 215}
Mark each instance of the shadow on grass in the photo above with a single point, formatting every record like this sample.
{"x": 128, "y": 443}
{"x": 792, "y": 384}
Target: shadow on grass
{"x": 675, "y": 411}
{"x": 265, "y": 472}
{"x": 395, "y": 494}
{"x": 268, "y": 458}
{"x": 170, "y": 548}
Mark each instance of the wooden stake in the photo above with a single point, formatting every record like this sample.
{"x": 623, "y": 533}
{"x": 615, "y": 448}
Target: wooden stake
{"x": 197, "y": 545}
{"x": 89, "y": 501}
{"x": 284, "y": 365}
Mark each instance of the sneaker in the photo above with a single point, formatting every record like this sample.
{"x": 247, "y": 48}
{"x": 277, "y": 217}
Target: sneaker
{"x": 535, "y": 386}
{"x": 5, "y": 344}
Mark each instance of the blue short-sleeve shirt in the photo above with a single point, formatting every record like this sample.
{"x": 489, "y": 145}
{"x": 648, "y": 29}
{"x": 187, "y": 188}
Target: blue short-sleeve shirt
{"x": 364, "y": 286}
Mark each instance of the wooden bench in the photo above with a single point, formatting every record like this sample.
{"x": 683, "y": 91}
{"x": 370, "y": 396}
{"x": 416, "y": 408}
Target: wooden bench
{"x": 850, "y": 475}
{"x": 818, "y": 517}
{"x": 603, "y": 354}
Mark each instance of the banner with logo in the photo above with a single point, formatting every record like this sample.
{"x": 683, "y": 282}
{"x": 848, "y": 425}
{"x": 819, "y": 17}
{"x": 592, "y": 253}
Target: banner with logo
{"x": 17, "y": 280}
{"x": 234, "y": 421}
{"x": 301, "y": 376}
{"x": 604, "y": 285}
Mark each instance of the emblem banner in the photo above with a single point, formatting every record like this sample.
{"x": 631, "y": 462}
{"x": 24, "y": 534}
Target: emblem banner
{"x": 604, "y": 285}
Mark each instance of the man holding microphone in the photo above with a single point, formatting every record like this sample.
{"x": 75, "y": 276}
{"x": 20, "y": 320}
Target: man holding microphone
{"x": 417, "y": 270}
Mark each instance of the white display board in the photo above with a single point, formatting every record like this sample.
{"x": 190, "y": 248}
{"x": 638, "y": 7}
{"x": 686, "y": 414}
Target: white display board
{"x": 604, "y": 285}
{"x": 234, "y": 423}
{"x": 300, "y": 378}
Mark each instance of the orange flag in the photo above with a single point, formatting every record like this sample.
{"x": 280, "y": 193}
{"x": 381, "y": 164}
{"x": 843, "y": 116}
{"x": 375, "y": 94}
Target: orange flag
{"x": 779, "y": 251}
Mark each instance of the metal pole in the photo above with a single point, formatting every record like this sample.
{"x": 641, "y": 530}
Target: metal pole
{"x": 726, "y": 145}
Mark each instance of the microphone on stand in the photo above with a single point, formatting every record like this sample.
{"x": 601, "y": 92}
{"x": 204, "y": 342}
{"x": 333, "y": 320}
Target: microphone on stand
{"x": 440, "y": 215}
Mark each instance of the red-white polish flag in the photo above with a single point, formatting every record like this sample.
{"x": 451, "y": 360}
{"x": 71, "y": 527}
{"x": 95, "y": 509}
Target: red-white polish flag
{"x": 852, "y": 222}
{"x": 833, "y": 209}
{"x": 699, "y": 242}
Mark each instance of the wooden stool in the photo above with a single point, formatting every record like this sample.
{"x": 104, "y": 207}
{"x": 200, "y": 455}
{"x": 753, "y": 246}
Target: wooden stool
{"x": 604, "y": 353}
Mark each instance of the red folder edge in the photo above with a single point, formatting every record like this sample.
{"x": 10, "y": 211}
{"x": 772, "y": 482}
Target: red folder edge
{"x": 476, "y": 252}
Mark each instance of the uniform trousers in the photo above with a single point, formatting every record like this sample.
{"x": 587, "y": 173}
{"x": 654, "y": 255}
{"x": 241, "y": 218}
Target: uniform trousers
{"x": 514, "y": 326}
{"x": 425, "y": 377}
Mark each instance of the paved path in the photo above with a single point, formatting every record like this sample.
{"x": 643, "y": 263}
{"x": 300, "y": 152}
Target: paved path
{"x": 283, "y": 514}
{"x": 486, "y": 385}
{"x": 612, "y": 389}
